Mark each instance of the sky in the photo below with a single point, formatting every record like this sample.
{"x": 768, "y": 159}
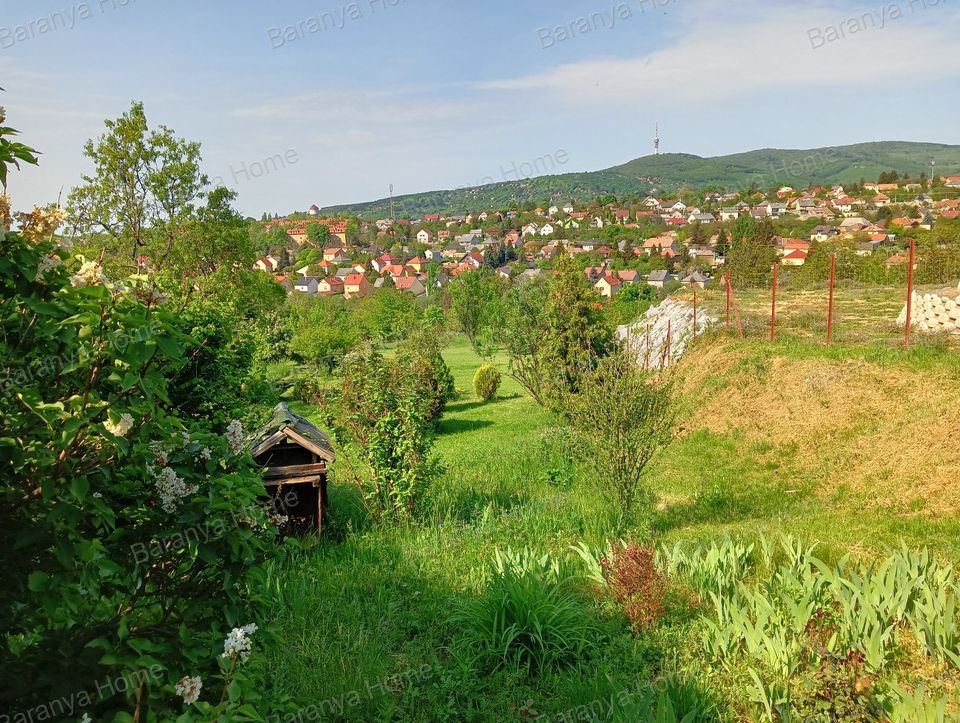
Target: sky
{"x": 331, "y": 102}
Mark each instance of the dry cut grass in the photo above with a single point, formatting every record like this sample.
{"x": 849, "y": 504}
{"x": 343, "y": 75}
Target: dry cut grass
{"x": 887, "y": 433}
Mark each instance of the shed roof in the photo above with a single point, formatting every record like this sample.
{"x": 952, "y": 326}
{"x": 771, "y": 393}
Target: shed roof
{"x": 288, "y": 424}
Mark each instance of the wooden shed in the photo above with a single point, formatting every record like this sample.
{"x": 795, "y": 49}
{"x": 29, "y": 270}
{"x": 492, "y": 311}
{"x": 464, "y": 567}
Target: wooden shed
{"x": 295, "y": 455}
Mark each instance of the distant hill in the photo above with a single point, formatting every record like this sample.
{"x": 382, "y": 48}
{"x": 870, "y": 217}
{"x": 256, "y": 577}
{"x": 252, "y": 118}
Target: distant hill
{"x": 671, "y": 171}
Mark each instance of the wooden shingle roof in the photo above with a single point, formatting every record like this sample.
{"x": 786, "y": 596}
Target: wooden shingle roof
{"x": 286, "y": 424}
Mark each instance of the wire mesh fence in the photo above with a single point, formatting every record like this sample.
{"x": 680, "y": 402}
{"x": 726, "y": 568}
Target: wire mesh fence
{"x": 849, "y": 307}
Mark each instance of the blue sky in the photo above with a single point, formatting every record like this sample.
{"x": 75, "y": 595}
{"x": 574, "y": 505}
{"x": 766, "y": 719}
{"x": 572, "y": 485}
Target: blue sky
{"x": 429, "y": 94}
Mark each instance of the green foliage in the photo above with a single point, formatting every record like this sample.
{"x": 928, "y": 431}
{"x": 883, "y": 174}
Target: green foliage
{"x": 472, "y": 297}
{"x": 137, "y": 531}
{"x": 318, "y": 234}
{"x": 144, "y": 188}
{"x": 434, "y": 318}
{"x": 320, "y": 330}
{"x": 521, "y": 331}
{"x": 814, "y": 636}
{"x": 386, "y": 404}
{"x": 486, "y": 382}
{"x": 531, "y": 616}
{"x": 386, "y": 316}
{"x": 577, "y": 335}
{"x": 12, "y": 152}
{"x": 220, "y": 380}
{"x": 626, "y": 417}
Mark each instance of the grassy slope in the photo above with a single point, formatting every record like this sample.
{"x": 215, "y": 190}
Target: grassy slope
{"x": 375, "y": 603}
{"x": 670, "y": 171}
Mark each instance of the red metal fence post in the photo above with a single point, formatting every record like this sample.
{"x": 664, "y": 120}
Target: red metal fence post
{"x": 727, "y": 276}
{"x": 669, "y": 333}
{"x": 694, "y": 313}
{"x": 906, "y": 332}
{"x": 833, "y": 266}
{"x": 646, "y": 357}
{"x": 773, "y": 306}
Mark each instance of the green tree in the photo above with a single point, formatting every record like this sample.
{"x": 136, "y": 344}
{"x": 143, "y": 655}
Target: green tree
{"x": 318, "y": 234}
{"x": 144, "y": 188}
{"x": 471, "y": 296}
{"x": 521, "y": 333}
{"x": 577, "y": 334}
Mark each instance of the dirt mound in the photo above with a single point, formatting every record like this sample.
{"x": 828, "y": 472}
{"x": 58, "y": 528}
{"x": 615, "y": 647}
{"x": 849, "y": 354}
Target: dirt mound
{"x": 888, "y": 432}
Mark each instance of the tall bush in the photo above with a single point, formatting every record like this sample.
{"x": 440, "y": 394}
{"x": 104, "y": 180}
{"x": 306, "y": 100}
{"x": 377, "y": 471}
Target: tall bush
{"x": 137, "y": 531}
{"x": 385, "y": 406}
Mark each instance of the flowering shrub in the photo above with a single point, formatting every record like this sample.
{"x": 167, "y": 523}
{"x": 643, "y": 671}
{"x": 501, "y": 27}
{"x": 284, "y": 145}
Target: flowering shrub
{"x": 132, "y": 535}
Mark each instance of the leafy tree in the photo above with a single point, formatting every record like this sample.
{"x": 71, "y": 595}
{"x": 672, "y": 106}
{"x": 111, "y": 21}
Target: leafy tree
{"x": 388, "y": 315}
{"x": 144, "y": 188}
{"x": 521, "y": 333}
{"x": 723, "y": 242}
{"x": 321, "y": 331}
{"x": 318, "y": 234}
{"x": 471, "y": 295}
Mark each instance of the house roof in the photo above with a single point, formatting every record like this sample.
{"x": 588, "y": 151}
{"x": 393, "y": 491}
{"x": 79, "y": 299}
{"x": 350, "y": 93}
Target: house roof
{"x": 286, "y": 424}
{"x": 354, "y": 280}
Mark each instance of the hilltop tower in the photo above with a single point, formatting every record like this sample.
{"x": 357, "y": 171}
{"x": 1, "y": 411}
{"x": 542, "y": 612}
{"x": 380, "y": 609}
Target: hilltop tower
{"x": 656, "y": 142}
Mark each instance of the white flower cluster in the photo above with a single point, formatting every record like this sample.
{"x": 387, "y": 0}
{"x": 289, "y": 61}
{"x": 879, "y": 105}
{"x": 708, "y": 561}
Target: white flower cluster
{"x": 237, "y": 644}
{"x": 235, "y": 436}
{"x": 189, "y": 689}
{"x": 46, "y": 265}
{"x": 90, "y": 274}
{"x": 150, "y": 295}
{"x": 172, "y": 488}
{"x": 277, "y": 520}
{"x": 121, "y": 428}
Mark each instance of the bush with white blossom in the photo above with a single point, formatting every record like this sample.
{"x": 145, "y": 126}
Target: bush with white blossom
{"x": 101, "y": 474}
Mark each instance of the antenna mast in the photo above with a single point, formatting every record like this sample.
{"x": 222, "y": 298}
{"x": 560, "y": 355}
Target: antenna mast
{"x": 656, "y": 141}
{"x": 392, "y": 214}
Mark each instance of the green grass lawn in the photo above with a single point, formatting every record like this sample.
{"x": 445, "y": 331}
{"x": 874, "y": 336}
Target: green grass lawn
{"x": 364, "y": 616}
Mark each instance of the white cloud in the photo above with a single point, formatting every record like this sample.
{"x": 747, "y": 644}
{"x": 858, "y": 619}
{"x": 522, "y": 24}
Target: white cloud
{"x": 754, "y": 49}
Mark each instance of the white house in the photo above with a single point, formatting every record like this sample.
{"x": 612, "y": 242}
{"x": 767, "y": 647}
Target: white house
{"x": 424, "y": 236}
{"x": 307, "y": 285}
{"x": 547, "y": 230}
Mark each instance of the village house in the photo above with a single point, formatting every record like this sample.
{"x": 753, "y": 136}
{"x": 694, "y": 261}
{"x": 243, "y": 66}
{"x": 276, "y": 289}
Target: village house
{"x": 268, "y": 264}
{"x": 330, "y": 286}
{"x": 410, "y": 285}
{"x": 424, "y": 237}
{"x": 608, "y": 286}
{"x": 306, "y": 285}
{"x": 696, "y": 280}
{"x": 356, "y": 286}
{"x": 657, "y": 279}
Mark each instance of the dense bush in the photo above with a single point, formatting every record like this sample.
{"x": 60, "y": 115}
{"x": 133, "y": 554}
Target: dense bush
{"x": 137, "y": 530}
{"x": 486, "y": 382}
{"x": 385, "y": 406}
